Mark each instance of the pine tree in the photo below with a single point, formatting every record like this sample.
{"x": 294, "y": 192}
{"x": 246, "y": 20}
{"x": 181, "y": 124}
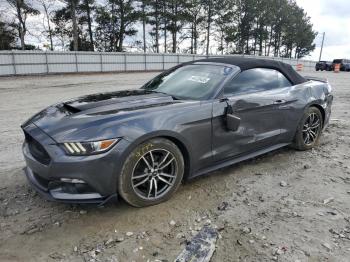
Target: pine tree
{"x": 7, "y": 36}
{"x": 23, "y": 9}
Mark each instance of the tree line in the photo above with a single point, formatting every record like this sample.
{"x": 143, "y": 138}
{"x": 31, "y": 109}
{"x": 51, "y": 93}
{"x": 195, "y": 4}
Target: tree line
{"x": 258, "y": 27}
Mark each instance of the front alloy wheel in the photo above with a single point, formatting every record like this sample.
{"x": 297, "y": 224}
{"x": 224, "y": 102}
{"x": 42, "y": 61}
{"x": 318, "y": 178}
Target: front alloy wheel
{"x": 152, "y": 173}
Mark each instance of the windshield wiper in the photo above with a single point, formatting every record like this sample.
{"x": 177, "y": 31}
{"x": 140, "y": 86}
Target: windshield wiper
{"x": 173, "y": 97}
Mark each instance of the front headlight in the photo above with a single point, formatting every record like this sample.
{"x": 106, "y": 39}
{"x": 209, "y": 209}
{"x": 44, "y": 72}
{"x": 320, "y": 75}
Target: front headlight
{"x": 88, "y": 148}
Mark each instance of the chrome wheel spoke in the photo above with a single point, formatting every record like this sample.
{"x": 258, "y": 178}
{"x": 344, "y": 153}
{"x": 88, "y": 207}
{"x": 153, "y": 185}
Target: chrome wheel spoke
{"x": 150, "y": 152}
{"x": 312, "y": 117}
{"x": 315, "y": 125}
{"x": 165, "y": 181}
{"x": 167, "y": 163}
{"x": 150, "y": 188}
{"x": 307, "y": 138}
{"x": 145, "y": 160}
{"x": 142, "y": 182}
{"x": 140, "y": 176}
{"x": 167, "y": 175}
{"x": 164, "y": 158}
{"x": 312, "y": 134}
{"x": 155, "y": 187}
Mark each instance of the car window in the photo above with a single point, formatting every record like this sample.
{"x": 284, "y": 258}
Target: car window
{"x": 256, "y": 80}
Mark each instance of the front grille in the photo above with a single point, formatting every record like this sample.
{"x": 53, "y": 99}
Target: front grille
{"x": 37, "y": 150}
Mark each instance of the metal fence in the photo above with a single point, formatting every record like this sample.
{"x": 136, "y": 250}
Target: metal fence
{"x": 38, "y": 62}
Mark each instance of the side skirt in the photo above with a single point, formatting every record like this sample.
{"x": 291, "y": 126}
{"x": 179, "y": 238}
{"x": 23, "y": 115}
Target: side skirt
{"x": 238, "y": 159}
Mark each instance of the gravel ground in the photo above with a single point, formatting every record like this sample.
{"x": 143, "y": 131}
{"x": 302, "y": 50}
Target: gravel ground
{"x": 283, "y": 206}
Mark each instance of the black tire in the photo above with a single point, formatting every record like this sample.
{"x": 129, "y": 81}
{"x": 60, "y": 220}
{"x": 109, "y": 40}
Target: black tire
{"x": 137, "y": 165}
{"x": 303, "y": 131}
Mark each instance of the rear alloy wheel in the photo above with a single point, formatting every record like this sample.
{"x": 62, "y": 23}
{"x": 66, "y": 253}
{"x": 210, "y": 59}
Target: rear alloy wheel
{"x": 309, "y": 129}
{"x": 152, "y": 173}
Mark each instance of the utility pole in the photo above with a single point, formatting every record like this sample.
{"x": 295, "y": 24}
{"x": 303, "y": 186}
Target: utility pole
{"x": 322, "y": 46}
{"x": 144, "y": 26}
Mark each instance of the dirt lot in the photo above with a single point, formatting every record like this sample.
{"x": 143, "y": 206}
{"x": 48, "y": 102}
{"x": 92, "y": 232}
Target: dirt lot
{"x": 284, "y": 206}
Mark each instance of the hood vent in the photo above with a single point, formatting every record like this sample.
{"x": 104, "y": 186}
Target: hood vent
{"x": 70, "y": 109}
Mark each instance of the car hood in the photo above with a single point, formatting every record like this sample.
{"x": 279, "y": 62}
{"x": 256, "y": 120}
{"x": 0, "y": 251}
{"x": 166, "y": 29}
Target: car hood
{"x": 118, "y": 100}
{"x": 69, "y": 119}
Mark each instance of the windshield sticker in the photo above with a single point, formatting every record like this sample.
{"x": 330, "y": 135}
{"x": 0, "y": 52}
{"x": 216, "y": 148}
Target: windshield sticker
{"x": 199, "y": 79}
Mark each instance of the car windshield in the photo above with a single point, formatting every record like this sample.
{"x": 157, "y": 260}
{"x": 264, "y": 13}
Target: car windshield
{"x": 195, "y": 81}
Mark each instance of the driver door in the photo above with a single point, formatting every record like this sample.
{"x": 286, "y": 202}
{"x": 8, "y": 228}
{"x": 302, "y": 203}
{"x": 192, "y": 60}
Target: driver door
{"x": 255, "y": 97}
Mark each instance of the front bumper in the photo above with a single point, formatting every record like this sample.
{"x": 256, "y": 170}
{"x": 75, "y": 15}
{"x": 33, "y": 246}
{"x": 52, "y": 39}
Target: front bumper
{"x": 61, "y": 195}
{"x": 72, "y": 179}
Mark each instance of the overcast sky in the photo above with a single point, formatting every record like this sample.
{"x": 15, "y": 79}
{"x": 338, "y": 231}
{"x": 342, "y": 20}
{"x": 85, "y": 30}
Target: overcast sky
{"x": 329, "y": 16}
{"x": 333, "y": 18}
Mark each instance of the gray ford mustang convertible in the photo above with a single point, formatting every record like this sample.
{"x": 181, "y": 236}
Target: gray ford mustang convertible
{"x": 190, "y": 120}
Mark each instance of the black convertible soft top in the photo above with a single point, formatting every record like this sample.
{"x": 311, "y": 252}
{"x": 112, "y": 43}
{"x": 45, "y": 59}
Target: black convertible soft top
{"x": 245, "y": 63}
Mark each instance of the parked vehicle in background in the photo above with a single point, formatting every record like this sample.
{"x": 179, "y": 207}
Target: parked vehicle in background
{"x": 323, "y": 65}
{"x": 344, "y": 64}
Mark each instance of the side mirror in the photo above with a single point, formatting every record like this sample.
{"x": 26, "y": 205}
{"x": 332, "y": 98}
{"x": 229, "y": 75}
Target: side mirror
{"x": 232, "y": 122}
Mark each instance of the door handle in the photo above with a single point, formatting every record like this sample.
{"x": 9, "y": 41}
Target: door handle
{"x": 280, "y": 101}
